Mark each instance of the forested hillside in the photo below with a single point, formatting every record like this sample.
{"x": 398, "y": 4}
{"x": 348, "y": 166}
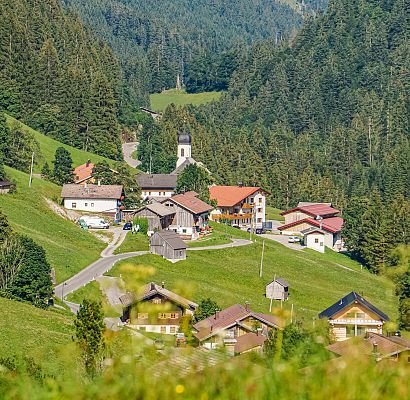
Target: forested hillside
{"x": 57, "y": 77}
{"x": 199, "y": 40}
{"x": 322, "y": 118}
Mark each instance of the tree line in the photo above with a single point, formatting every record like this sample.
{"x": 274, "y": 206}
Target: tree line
{"x": 58, "y": 78}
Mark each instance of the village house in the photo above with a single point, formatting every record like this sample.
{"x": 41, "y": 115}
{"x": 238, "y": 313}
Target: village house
{"x": 169, "y": 245}
{"x": 157, "y": 186}
{"x": 156, "y": 309}
{"x": 374, "y": 345}
{"x": 320, "y": 218}
{"x": 159, "y": 216}
{"x": 5, "y": 187}
{"x": 92, "y": 198}
{"x": 237, "y": 328}
{"x": 242, "y": 206}
{"x": 191, "y": 214}
{"x": 353, "y": 316}
{"x": 84, "y": 173}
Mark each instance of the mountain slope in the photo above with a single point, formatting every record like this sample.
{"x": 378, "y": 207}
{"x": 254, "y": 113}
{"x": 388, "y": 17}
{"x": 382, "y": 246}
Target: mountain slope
{"x": 69, "y": 248}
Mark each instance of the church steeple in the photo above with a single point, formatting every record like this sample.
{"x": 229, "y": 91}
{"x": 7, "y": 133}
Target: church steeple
{"x": 184, "y": 147}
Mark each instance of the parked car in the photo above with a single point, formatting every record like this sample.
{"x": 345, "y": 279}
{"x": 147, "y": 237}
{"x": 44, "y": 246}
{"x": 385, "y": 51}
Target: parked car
{"x": 93, "y": 222}
{"x": 127, "y": 226}
{"x": 258, "y": 231}
{"x": 293, "y": 239}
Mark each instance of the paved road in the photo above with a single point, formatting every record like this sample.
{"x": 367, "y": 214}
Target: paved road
{"x": 127, "y": 150}
{"x": 235, "y": 243}
{"x": 97, "y": 268}
{"x": 282, "y": 239}
{"x": 106, "y": 262}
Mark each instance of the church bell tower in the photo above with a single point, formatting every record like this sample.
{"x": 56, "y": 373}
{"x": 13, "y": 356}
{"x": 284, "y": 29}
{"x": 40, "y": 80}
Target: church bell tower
{"x": 184, "y": 147}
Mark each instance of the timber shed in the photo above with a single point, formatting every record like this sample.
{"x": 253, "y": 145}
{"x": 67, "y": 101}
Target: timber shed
{"x": 278, "y": 289}
{"x": 169, "y": 245}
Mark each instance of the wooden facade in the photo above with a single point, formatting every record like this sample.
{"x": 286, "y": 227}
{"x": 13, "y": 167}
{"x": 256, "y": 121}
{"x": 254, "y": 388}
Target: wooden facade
{"x": 168, "y": 245}
{"x": 155, "y": 221}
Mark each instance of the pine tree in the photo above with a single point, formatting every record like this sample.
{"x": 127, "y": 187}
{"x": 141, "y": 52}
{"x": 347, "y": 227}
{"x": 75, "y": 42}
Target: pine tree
{"x": 63, "y": 167}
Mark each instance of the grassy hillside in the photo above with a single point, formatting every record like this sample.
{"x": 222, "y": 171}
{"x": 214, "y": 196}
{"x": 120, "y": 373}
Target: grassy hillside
{"x": 69, "y": 248}
{"x": 48, "y": 147}
{"x": 29, "y": 331}
{"x": 160, "y": 101}
{"x": 232, "y": 275}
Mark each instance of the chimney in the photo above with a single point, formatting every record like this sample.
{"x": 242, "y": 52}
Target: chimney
{"x": 211, "y": 328}
{"x": 375, "y": 349}
{"x": 85, "y": 185}
{"x": 99, "y": 182}
{"x": 163, "y": 284}
{"x": 87, "y": 164}
{"x": 216, "y": 313}
{"x": 247, "y": 308}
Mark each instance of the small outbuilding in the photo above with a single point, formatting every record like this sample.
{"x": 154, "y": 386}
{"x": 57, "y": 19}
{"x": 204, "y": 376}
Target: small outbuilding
{"x": 278, "y": 289}
{"x": 5, "y": 187}
{"x": 159, "y": 217}
{"x": 169, "y": 245}
{"x": 314, "y": 239}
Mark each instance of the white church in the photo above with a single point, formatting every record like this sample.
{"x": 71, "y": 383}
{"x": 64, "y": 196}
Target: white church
{"x": 162, "y": 186}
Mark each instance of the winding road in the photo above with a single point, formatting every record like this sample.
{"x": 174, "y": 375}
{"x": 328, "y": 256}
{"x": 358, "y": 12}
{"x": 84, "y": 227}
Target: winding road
{"x": 108, "y": 259}
{"x": 127, "y": 150}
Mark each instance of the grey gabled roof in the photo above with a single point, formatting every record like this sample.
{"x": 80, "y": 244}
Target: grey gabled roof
{"x": 91, "y": 191}
{"x": 282, "y": 282}
{"x": 157, "y": 181}
{"x": 157, "y": 208}
{"x": 152, "y": 289}
{"x": 172, "y": 238}
{"x": 347, "y": 301}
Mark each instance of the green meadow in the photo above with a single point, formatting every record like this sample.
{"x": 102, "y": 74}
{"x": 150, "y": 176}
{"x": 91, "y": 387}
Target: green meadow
{"x": 232, "y": 275}
{"x": 160, "y": 101}
{"x": 69, "y": 249}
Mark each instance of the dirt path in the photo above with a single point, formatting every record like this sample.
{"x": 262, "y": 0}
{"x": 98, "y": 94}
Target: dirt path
{"x": 127, "y": 150}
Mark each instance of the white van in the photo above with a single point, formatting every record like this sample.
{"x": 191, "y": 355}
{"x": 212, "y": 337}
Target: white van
{"x": 95, "y": 222}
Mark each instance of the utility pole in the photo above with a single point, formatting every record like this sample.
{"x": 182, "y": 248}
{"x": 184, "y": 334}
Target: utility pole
{"x": 261, "y": 268}
{"x": 31, "y": 170}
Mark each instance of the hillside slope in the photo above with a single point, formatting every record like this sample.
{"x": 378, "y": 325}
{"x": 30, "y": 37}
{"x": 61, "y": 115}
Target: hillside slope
{"x": 48, "y": 146}
{"x": 232, "y": 276}
{"x": 32, "y": 332}
{"x": 69, "y": 248}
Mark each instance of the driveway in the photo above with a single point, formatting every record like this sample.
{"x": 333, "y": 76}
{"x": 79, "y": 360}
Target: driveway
{"x": 127, "y": 150}
{"x": 282, "y": 239}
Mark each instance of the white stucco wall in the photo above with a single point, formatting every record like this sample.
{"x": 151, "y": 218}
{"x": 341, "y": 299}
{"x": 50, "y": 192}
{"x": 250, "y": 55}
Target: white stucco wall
{"x": 315, "y": 241}
{"x": 184, "y": 152}
{"x": 157, "y": 193}
{"x": 92, "y": 205}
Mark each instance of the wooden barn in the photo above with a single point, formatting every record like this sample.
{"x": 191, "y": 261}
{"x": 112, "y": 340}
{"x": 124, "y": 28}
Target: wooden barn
{"x": 5, "y": 187}
{"x": 278, "y": 289}
{"x": 159, "y": 217}
{"x": 169, "y": 245}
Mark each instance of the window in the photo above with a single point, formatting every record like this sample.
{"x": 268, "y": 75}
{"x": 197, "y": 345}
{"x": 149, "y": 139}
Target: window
{"x": 251, "y": 200}
{"x": 74, "y": 205}
{"x": 259, "y": 210}
{"x": 142, "y": 315}
{"x": 361, "y": 315}
{"x": 157, "y": 300}
{"x": 260, "y": 200}
{"x": 163, "y": 329}
{"x": 86, "y": 204}
{"x": 162, "y": 316}
{"x": 173, "y": 315}
{"x": 180, "y": 253}
{"x": 149, "y": 193}
{"x": 182, "y": 152}
{"x": 172, "y": 329}
{"x": 183, "y": 230}
{"x": 259, "y": 219}
{"x": 92, "y": 204}
{"x": 350, "y": 315}
{"x": 316, "y": 240}
{"x": 361, "y": 330}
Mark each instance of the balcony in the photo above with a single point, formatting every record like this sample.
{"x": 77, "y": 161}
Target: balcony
{"x": 231, "y": 216}
{"x": 355, "y": 321}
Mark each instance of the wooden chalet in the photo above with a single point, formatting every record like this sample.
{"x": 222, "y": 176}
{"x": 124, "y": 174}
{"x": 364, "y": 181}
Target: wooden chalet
{"x": 352, "y": 316}
{"x": 156, "y": 309}
{"x": 159, "y": 217}
{"x": 237, "y": 328}
{"x": 191, "y": 214}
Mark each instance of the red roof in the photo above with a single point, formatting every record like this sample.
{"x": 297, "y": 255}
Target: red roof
{"x": 314, "y": 210}
{"x": 248, "y": 342}
{"x": 191, "y": 202}
{"x": 83, "y": 172}
{"x": 228, "y": 196}
{"x": 332, "y": 224}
